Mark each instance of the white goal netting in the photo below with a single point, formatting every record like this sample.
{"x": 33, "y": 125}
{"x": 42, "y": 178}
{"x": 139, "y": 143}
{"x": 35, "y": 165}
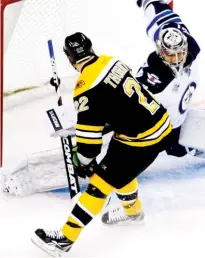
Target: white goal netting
{"x": 111, "y": 27}
{"x": 26, "y": 61}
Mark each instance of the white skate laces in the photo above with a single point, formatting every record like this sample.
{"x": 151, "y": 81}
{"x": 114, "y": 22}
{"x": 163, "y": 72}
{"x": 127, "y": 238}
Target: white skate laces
{"x": 117, "y": 214}
{"x": 56, "y": 234}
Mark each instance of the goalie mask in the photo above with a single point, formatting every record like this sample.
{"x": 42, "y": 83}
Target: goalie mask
{"x": 78, "y": 48}
{"x": 172, "y": 47}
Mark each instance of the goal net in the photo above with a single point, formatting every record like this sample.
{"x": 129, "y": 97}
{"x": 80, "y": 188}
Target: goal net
{"x": 113, "y": 27}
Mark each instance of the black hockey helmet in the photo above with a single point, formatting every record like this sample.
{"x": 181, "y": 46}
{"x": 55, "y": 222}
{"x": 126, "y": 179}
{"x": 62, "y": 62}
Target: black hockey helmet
{"x": 78, "y": 47}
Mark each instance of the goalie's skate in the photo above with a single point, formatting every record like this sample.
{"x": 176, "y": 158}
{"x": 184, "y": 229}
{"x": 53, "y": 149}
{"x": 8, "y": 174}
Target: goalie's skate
{"x": 52, "y": 242}
{"x": 117, "y": 216}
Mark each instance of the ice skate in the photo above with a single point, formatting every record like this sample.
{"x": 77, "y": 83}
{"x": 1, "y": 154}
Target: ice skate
{"x": 117, "y": 216}
{"x": 52, "y": 242}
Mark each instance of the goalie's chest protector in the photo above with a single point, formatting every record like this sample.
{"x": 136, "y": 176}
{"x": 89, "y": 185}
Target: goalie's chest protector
{"x": 177, "y": 95}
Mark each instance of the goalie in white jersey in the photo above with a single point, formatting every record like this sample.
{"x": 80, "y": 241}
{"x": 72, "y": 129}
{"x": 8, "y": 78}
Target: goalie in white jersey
{"x": 170, "y": 72}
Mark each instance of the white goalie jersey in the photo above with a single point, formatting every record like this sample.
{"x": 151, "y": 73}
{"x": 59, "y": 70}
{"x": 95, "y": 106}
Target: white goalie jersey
{"x": 174, "y": 91}
{"x": 176, "y": 96}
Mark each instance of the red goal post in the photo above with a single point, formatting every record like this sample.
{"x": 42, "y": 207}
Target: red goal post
{"x": 3, "y": 5}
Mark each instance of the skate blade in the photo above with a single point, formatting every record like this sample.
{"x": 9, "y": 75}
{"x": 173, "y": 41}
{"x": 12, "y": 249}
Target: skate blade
{"x": 134, "y": 223}
{"x": 51, "y": 250}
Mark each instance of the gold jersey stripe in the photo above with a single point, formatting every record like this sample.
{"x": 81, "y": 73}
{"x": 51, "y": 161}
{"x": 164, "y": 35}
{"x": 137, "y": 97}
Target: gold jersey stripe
{"x": 154, "y": 128}
{"x": 147, "y": 143}
{"x": 149, "y": 131}
{"x": 90, "y": 74}
{"x": 89, "y": 141}
{"x": 89, "y": 128}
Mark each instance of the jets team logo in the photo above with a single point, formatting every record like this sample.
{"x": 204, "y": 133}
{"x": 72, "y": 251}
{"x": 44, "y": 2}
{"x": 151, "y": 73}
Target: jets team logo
{"x": 153, "y": 79}
{"x": 184, "y": 103}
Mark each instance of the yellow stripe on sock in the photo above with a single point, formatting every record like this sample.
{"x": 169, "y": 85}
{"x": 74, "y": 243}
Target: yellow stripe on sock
{"x": 91, "y": 203}
{"x": 136, "y": 208}
{"x": 70, "y": 232}
{"x": 130, "y": 188}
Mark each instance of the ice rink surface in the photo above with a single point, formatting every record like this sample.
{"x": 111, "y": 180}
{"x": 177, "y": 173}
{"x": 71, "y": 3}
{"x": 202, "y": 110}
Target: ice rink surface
{"x": 172, "y": 191}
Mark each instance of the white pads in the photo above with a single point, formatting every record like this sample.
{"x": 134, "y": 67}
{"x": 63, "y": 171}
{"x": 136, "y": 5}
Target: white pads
{"x": 38, "y": 172}
{"x": 193, "y": 130}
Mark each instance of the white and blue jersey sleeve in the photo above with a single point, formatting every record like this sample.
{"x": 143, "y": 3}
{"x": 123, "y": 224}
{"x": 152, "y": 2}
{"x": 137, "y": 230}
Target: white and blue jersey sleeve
{"x": 158, "y": 15}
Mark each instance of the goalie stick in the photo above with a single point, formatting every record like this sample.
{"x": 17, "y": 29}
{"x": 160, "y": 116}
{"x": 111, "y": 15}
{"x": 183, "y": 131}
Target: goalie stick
{"x": 66, "y": 142}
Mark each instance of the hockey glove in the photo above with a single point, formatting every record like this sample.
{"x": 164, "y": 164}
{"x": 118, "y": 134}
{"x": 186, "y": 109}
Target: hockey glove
{"x": 53, "y": 83}
{"x": 144, "y": 3}
{"x": 83, "y": 170}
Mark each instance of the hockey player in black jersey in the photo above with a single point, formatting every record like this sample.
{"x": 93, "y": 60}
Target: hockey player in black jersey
{"x": 170, "y": 72}
{"x": 107, "y": 92}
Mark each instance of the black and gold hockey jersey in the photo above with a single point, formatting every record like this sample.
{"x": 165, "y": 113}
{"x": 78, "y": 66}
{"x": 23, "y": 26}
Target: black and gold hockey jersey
{"x": 107, "y": 92}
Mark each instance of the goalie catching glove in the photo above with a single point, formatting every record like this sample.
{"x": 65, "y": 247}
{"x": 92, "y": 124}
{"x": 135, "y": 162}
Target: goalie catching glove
{"x": 83, "y": 170}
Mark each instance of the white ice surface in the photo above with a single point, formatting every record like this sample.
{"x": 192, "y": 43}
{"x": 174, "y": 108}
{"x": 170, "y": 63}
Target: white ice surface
{"x": 172, "y": 191}
{"x": 174, "y": 204}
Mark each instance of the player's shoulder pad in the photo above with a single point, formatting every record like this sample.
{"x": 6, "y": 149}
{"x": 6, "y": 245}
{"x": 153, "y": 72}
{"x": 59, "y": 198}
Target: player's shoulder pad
{"x": 93, "y": 73}
{"x": 154, "y": 74}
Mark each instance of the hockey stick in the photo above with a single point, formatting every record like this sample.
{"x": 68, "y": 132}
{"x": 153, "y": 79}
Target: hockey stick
{"x": 66, "y": 142}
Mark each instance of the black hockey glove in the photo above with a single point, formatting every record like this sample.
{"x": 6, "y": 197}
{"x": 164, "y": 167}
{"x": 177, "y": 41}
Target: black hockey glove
{"x": 82, "y": 170}
{"x": 144, "y": 3}
{"x": 139, "y": 3}
{"x": 53, "y": 83}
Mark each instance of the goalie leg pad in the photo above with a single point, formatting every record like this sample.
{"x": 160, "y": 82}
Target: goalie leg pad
{"x": 193, "y": 130}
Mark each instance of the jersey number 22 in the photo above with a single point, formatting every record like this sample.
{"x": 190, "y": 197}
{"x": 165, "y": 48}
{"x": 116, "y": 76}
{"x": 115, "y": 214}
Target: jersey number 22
{"x": 130, "y": 86}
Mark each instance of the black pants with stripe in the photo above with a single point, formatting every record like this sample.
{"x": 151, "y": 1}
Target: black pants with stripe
{"x": 122, "y": 163}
